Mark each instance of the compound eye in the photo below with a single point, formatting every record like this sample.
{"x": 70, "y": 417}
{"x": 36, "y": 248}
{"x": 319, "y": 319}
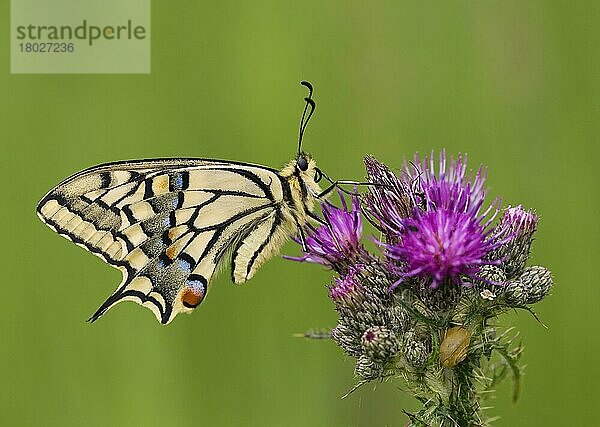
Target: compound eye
{"x": 318, "y": 175}
{"x": 302, "y": 164}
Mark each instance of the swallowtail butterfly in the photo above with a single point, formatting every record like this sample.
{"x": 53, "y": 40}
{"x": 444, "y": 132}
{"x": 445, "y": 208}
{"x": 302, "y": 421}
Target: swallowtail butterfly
{"x": 168, "y": 224}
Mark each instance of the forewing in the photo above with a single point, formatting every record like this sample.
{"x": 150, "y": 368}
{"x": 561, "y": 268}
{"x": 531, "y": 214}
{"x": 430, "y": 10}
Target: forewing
{"x": 166, "y": 224}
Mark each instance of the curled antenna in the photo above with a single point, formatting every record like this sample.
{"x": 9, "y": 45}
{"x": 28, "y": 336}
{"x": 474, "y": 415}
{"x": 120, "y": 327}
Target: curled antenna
{"x": 306, "y": 117}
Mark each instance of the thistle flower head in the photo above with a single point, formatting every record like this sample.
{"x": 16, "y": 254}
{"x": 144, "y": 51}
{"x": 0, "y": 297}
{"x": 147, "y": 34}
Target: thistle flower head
{"x": 414, "y": 348}
{"x": 449, "y": 188}
{"x": 337, "y": 241}
{"x": 367, "y": 369}
{"x": 446, "y": 237}
{"x": 442, "y": 245}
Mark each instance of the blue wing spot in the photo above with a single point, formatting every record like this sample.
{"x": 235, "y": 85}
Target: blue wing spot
{"x": 185, "y": 265}
{"x": 197, "y": 282}
{"x": 163, "y": 261}
{"x": 178, "y": 182}
{"x": 178, "y": 200}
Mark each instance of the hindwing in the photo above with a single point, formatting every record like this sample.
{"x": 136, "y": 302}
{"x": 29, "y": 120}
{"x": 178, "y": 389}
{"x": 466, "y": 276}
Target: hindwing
{"x": 168, "y": 223}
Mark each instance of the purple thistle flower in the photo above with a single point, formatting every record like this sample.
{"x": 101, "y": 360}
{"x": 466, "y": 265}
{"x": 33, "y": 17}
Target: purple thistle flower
{"x": 446, "y": 237}
{"x": 441, "y": 245}
{"x": 336, "y": 243}
{"x": 450, "y": 188}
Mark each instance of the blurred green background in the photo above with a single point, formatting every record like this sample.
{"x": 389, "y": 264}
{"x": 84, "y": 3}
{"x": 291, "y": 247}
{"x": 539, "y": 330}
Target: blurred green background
{"x": 514, "y": 84}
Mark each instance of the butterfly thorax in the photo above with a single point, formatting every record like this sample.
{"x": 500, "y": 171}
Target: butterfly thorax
{"x": 303, "y": 187}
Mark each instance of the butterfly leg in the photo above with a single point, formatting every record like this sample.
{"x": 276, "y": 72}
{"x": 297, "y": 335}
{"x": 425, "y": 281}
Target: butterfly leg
{"x": 337, "y": 183}
{"x": 302, "y": 237}
{"x": 316, "y": 218}
{"x": 323, "y": 223}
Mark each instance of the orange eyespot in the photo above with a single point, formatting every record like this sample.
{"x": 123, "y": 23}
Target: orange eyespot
{"x": 194, "y": 292}
{"x": 191, "y": 299}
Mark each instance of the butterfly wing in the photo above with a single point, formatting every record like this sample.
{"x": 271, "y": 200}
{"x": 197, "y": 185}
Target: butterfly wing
{"x": 168, "y": 223}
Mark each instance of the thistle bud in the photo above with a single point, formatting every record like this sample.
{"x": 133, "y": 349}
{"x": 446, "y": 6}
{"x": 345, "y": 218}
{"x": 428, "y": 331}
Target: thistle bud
{"x": 367, "y": 369}
{"x": 388, "y": 202}
{"x": 400, "y": 319}
{"x": 343, "y": 335}
{"x": 348, "y": 292}
{"x": 516, "y": 227}
{"x": 515, "y": 294}
{"x": 414, "y": 349}
{"x": 530, "y": 287}
{"x": 379, "y": 343}
{"x": 492, "y": 274}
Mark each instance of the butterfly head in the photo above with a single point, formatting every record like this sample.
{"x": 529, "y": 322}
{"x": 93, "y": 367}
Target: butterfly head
{"x": 306, "y": 167}
{"x": 303, "y": 175}
{"x": 303, "y": 167}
